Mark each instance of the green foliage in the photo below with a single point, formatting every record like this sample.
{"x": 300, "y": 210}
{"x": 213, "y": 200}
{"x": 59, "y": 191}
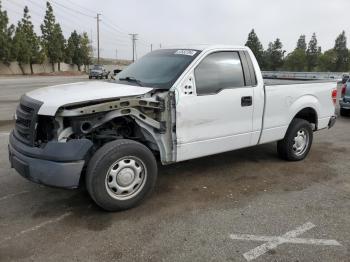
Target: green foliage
{"x": 295, "y": 61}
{"x": 301, "y": 44}
{"x": 53, "y": 39}
{"x": 273, "y": 56}
{"x": 312, "y": 53}
{"x": 86, "y": 49}
{"x": 342, "y": 53}
{"x": 255, "y": 45}
{"x": 6, "y": 33}
{"x": 327, "y": 61}
{"x": 26, "y": 44}
{"x": 78, "y": 50}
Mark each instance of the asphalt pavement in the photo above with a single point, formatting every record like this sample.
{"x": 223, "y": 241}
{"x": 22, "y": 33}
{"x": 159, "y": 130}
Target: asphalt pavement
{"x": 245, "y": 205}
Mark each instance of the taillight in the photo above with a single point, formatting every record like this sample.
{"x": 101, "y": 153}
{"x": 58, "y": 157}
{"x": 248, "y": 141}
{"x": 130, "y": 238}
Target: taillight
{"x": 334, "y": 95}
{"x": 343, "y": 88}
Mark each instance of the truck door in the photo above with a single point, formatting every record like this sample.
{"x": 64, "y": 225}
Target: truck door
{"x": 214, "y": 108}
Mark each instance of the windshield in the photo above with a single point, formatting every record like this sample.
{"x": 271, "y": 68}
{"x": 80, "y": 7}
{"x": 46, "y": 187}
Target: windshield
{"x": 97, "y": 67}
{"x": 158, "y": 69}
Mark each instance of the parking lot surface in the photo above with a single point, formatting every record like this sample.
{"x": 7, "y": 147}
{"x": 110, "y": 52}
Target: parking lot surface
{"x": 198, "y": 212}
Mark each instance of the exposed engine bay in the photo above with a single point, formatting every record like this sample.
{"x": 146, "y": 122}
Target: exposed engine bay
{"x": 149, "y": 119}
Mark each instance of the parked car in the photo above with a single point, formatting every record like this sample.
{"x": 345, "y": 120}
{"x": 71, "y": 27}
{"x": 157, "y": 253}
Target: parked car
{"x": 344, "y": 101}
{"x": 345, "y": 78}
{"x": 98, "y": 72}
{"x": 172, "y": 105}
{"x": 115, "y": 72}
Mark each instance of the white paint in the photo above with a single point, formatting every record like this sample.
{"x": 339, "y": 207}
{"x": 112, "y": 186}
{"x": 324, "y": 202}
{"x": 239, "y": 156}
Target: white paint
{"x": 274, "y": 241}
{"x": 13, "y": 195}
{"x": 37, "y": 227}
{"x": 54, "y": 97}
{"x": 216, "y": 123}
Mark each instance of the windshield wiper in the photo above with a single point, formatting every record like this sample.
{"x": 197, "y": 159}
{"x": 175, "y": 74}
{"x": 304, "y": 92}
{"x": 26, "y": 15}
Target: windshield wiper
{"x": 131, "y": 79}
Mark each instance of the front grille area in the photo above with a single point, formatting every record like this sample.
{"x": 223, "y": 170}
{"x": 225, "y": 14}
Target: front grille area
{"x": 26, "y": 120}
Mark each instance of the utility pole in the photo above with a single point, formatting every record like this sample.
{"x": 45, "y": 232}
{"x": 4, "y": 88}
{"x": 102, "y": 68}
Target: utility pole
{"x": 116, "y": 56}
{"x": 160, "y": 46}
{"x": 98, "y": 37}
{"x": 133, "y": 38}
{"x": 151, "y": 47}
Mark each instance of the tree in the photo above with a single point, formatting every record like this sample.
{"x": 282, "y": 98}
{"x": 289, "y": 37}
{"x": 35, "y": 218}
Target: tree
{"x": 327, "y": 61}
{"x": 53, "y": 39}
{"x": 255, "y": 45}
{"x": 296, "y": 60}
{"x": 86, "y": 49}
{"x": 78, "y": 50}
{"x": 274, "y": 55}
{"x": 312, "y": 53}
{"x": 74, "y": 49}
{"x": 6, "y": 33}
{"x": 301, "y": 44}
{"x": 26, "y": 44}
{"x": 342, "y": 53}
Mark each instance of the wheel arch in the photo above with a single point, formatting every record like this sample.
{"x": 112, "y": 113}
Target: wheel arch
{"x": 307, "y": 108}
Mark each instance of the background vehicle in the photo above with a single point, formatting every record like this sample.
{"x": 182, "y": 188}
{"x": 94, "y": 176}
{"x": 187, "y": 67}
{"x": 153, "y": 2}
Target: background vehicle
{"x": 115, "y": 72}
{"x": 172, "y": 104}
{"x": 98, "y": 72}
{"x": 344, "y": 101}
{"x": 345, "y": 78}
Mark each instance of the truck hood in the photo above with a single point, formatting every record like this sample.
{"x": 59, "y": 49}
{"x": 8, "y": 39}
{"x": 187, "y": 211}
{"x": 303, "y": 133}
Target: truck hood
{"x": 54, "y": 97}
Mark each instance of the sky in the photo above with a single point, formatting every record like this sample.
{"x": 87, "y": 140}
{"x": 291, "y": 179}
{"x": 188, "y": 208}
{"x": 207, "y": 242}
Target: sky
{"x": 179, "y": 22}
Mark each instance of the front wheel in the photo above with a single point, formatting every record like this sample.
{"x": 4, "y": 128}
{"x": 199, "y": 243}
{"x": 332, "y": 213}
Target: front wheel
{"x": 297, "y": 142}
{"x": 121, "y": 174}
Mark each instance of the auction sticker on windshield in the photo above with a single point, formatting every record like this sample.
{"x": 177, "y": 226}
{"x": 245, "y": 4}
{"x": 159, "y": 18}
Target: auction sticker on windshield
{"x": 186, "y": 52}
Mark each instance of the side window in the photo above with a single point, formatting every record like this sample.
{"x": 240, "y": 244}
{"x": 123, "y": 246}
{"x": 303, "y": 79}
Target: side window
{"x": 218, "y": 71}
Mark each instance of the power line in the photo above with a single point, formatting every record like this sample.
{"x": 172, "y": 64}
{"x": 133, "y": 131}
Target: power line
{"x": 70, "y": 9}
{"x": 59, "y": 14}
{"x": 82, "y": 7}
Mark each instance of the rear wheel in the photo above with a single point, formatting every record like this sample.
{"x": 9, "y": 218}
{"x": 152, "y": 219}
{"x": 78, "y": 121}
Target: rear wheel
{"x": 121, "y": 174}
{"x": 297, "y": 142}
{"x": 344, "y": 112}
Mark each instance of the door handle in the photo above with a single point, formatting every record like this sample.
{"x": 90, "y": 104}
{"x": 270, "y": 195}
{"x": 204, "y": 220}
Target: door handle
{"x": 246, "y": 101}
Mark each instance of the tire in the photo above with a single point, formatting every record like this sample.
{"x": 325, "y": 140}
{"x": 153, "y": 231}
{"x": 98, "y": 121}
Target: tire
{"x": 343, "y": 112}
{"x": 121, "y": 174}
{"x": 90, "y": 77}
{"x": 297, "y": 142}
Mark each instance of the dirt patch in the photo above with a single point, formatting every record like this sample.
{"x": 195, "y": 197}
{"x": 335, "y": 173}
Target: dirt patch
{"x": 6, "y": 125}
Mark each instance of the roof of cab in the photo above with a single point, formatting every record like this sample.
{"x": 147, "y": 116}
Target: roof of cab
{"x": 206, "y": 47}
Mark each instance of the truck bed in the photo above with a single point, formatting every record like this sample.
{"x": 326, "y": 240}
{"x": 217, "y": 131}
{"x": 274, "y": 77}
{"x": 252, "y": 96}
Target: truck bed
{"x": 274, "y": 82}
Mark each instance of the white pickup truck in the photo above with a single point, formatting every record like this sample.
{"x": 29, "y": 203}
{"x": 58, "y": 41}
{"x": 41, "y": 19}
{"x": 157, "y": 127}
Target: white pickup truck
{"x": 172, "y": 105}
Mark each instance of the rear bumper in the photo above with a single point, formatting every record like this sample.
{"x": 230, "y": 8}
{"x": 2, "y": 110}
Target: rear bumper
{"x": 332, "y": 121}
{"x": 58, "y": 164}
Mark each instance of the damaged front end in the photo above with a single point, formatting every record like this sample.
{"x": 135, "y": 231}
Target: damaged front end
{"x": 148, "y": 119}
{"x": 54, "y": 150}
